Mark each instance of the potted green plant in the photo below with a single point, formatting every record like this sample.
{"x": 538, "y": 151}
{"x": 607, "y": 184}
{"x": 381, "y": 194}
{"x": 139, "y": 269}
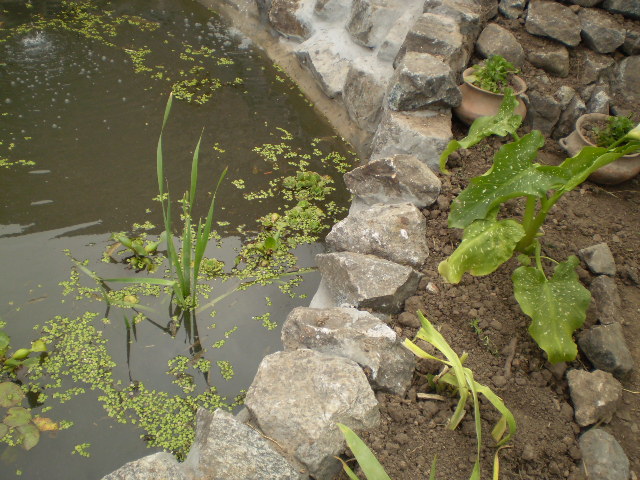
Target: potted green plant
{"x": 484, "y": 86}
{"x": 600, "y": 130}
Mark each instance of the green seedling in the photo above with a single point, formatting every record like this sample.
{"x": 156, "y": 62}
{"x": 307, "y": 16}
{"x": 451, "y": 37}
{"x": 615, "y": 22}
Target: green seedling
{"x": 461, "y": 378}
{"x": 493, "y": 74}
{"x": 616, "y": 129}
{"x": 557, "y": 304}
{"x": 141, "y": 250}
{"x": 19, "y": 358}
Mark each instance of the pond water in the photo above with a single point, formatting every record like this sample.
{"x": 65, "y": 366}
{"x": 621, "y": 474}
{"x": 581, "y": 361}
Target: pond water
{"x": 86, "y": 108}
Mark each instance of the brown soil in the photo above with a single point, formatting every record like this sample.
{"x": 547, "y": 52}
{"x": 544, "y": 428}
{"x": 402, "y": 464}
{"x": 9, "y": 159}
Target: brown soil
{"x": 413, "y": 431}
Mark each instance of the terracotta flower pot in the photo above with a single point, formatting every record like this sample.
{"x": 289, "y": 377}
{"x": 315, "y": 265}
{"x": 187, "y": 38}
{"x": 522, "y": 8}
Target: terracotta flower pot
{"x": 477, "y": 102}
{"x": 619, "y": 171}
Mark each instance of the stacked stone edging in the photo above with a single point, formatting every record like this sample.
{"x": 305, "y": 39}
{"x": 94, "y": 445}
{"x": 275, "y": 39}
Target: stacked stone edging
{"x": 394, "y": 64}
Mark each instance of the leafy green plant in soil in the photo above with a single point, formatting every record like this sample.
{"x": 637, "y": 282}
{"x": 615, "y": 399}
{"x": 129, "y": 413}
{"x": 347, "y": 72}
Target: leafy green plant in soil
{"x": 456, "y": 375}
{"x": 493, "y": 74}
{"x": 557, "y": 302}
{"x": 617, "y": 127}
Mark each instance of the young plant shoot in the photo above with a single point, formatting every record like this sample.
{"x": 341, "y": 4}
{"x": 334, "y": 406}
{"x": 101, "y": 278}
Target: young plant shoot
{"x": 557, "y": 304}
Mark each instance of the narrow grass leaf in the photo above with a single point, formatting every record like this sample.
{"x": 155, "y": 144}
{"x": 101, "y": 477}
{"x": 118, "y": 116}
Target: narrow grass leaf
{"x": 366, "y": 459}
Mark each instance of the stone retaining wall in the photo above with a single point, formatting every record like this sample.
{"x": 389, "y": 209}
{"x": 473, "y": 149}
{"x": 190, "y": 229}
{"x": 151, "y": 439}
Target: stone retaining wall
{"x": 393, "y": 66}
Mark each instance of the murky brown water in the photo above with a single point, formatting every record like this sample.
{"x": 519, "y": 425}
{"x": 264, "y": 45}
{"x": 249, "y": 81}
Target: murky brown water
{"x": 77, "y": 109}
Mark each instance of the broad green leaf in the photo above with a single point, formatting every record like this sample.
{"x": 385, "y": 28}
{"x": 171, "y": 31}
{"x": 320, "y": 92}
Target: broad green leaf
{"x": 366, "y": 459}
{"x": 485, "y": 246}
{"x": 503, "y": 123}
{"x": 10, "y": 394}
{"x": 4, "y": 342}
{"x": 17, "y": 416}
{"x": 557, "y": 307}
{"x": 38, "y": 346}
{"x": 30, "y": 435}
{"x": 512, "y": 175}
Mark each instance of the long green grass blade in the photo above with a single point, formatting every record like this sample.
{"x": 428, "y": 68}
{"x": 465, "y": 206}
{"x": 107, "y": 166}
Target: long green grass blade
{"x": 366, "y": 459}
{"x": 432, "y": 471}
{"x": 348, "y": 470}
{"x": 194, "y": 174}
{"x": 146, "y": 281}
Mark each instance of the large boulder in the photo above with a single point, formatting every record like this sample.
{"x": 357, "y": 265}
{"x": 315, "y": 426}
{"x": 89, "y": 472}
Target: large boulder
{"x": 602, "y": 456}
{"x": 424, "y": 134}
{"x": 365, "y": 281}
{"x": 628, "y": 8}
{"x": 152, "y": 467}
{"x": 226, "y": 449}
{"x": 395, "y": 232}
{"x": 371, "y": 20}
{"x": 553, "y": 20}
{"x": 595, "y": 396}
{"x": 286, "y": 17}
{"x": 394, "y": 179}
{"x": 627, "y": 78}
{"x": 363, "y": 93}
{"x": 440, "y": 36}
{"x": 297, "y": 397}
{"x": 422, "y": 81}
{"x": 497, "y": 40}
{"x": 600, "y": 31}
{"x": 356, "y": 335}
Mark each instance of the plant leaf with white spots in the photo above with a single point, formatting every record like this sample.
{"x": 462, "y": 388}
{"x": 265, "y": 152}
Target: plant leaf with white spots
{"x": 512, "y": 175}
{"x": 557, "y": 307}
{"x": 485, "y": 246}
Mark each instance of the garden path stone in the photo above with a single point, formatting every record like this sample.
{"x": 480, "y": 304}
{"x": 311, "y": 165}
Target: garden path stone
{"x": 599, "y": 259}
{"x": 606, "y": 348}
{"x": 512, "y": 8}
{"x": 394, "y": 179}
{"x": 423, "y": 134}
{"x": 600, "y": 31}
{"x": 285, "y": 17}
{"x": 356, "y": 335}
{"x": 606, "y": 296}
{"x": 298, "y": 396}
{"x": 226, "y": 449}
{"x": 394, "y": 232}
{"x": 628, "y": 8}
{"x": 602, "y": 456}
{"x": 627, "y": 77}
{"x": 595, "y": 396}
{"x": 365, "y": 281}
{"x": 371, "y": 20}
{"x": 438, "y": 35}
{"x": 363, "y": 93}
{"x": 553, "y": 20}
{"x": 422, "y": 81}
{"x": 152, "y": 467}
{"x": 497, "y": 40}
{"x": 554, "y": 59}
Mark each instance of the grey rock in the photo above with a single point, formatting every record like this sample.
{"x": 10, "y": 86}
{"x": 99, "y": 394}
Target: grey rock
{"x": 553, "y": 20}
{"x": 553, "y": 59}
{"x": 325, "y": 63}
{"x": 543, "y": 112}
{"x": 488, "y": 9}
{"x": 371, "y": 20}
{"x": 631, "y": 45}
{"x": 394, "y": 232}
{"x": 586, "y": 3}
{"x": 333, "y": 10}
{"x": 298, "y": 396}
{"x": 424, "y": 134}
{"x": 394, "y": 179}
{"x": 285, "y": 18}
{"x": 512, "y": 8}
{"x": 420, "y": 81}
{"x": 567, "y": 122}
{"x": 440, "y": 36}
{"x": 595, "y": 395}
{"x": 628, "y": 8}
{"x": 595, "y": 67}
{"x": 606, "y": 297}
{"x": 602, "y": 456}
{"x": 496, "y": 40}
{"x": 365, "y": 281}
{"x": 599, "y": 101}
{"x": 356, "y": 335}
{"x": 627, "y": 78}
{"x": 226, "y": 449}
{"x": 363, "y": 94}
{"x": 600, "y": 31}
{"x": 152, "y": 467}
{"x": 599, "y": 259}
{"x": 393, "y": 41}
{"x": 606, "y": 349}
{"x": 469, "y": 14}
